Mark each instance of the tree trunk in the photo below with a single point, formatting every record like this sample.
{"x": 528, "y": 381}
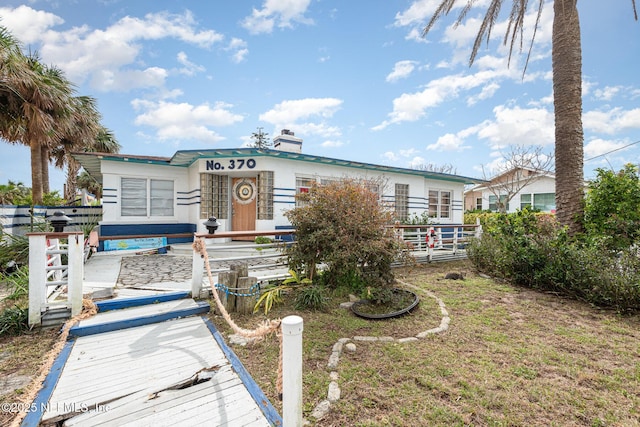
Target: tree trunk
{"x": 567, "y": 90}
{"x": 44, "y": 159}
{"x": 36, "y": 172}
{"x": 71, "y": 187}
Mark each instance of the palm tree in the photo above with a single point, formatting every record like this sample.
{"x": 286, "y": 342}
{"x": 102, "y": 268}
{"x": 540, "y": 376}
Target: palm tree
{"x": 567, "y": 90}
{"x": 103, "y": 141}
{"x": 36, "y": 107}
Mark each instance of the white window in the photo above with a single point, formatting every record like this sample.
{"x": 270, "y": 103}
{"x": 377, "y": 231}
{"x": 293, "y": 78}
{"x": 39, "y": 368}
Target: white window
{"x": 439, "y": 204}
{"x": 141, "y": 196}
{"x": 303, "y": 185}
{"x": 494, "y": 206}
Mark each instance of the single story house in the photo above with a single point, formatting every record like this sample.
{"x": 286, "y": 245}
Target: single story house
{"x": 249, "y": 188}
{"x": 518, "y": 188}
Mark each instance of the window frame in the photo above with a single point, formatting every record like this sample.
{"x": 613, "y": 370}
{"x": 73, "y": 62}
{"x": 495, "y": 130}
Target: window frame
{"x": 127, "y": 196}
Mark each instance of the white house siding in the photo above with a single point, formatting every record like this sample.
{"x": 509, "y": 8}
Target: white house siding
{"x": 113, "y": 172}
{"x": 539, "y": 186}
{"x": 186, "y": 168}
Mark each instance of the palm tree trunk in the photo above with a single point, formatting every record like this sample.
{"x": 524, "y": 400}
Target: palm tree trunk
{"x": 71, "y": 187}
{"x": 44, "y": 159}
{"x": 36, "y": 172}
{"x": 567, "y": 89}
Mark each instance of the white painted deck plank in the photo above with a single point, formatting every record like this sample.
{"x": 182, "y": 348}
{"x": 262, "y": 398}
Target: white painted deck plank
{"x": 101, "y": 387}
{"x": 89, "y": 358}
{"x": 103, "y": 381}
{"x": 146, "y": 310}
{"x": 140, "y": 342}
{"x": 202, "y": 404}
{"x": 103, "y": 384}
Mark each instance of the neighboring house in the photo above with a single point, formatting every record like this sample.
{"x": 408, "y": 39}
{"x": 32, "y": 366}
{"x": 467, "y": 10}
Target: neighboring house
{"x": 249, "y": 188}
{"x": 521, "y": 186}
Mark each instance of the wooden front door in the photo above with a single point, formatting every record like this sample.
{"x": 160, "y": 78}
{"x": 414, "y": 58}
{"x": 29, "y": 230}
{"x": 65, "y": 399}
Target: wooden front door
{"x": 243, "y": 206}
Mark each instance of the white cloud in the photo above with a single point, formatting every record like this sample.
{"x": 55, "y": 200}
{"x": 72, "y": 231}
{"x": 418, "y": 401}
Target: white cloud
{"x": 611, "y": 121}
{"x": 448, "y": 142}
{"x": 183, "y": 121}
{"x": 28, "y": 25}
{"x": 410, "y": 107}
{"x": 390, "y": 155}
{"x": 517, "y": 126}
{"x": 239, "y": 50}
{"x": 291, "y": 114}
{"x": 597, "y": 147}
{"x": 608, "y": 93}
{"x": 487, "y": 92}
{"x": 109, "y": 58}
{"x": 189, "y": 68}
{"x": 418, "y": 12}
{"x": 401, "y": 70}
{"x": 332, "y": 144}
{"x": 277, "y": 13}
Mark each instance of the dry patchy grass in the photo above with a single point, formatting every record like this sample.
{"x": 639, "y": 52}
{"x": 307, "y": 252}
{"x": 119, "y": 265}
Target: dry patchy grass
{"x": 511, "y": 357}
{"x": 23, "y": 355}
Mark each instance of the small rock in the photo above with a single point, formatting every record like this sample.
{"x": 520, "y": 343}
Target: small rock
{"x": 333, "y": 395}
{"x": 321, "y": 410}
{"x": 350, "y": 347}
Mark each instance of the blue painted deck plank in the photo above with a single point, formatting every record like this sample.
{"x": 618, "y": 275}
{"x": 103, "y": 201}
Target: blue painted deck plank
{"x": 117, "y": 304}
{"x": 34, "y": 415}
{"x": 81, "y": 331}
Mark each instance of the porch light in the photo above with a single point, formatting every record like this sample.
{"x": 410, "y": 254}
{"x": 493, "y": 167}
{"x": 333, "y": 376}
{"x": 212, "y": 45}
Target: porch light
{"x": 58, "y": 221}
{"x": 212, "y": 224}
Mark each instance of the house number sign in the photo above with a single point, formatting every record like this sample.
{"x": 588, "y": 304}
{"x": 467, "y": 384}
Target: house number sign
{"x": 230, "y": 164}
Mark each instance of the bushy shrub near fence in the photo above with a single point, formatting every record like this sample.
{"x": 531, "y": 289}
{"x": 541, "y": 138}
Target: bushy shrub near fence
{"x": 534, "y": 251}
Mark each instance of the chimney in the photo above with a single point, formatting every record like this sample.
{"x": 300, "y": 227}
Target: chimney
{"x": 287, "y": 141}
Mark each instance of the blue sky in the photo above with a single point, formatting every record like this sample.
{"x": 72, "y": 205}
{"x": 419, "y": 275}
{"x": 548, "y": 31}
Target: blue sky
{"x": 354, "y": 79}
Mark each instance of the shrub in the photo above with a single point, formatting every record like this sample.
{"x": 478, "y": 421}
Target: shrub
{"x": 612, "y": 207}
{"x": 342, "y": 225}
{"x": 533, "y": 251}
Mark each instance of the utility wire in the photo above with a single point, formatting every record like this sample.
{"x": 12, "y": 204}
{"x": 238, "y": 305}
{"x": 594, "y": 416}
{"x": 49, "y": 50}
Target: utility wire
{"x": 612, "y": 151}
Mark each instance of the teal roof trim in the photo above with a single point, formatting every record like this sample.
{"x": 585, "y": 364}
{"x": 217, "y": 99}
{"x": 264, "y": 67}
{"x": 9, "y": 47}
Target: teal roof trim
{"x": 185, "y": 158}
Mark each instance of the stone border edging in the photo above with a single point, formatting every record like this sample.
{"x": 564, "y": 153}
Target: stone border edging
{"x": 333, "y": 393}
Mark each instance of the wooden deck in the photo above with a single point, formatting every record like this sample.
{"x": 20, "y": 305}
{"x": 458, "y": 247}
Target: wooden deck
{"x": 177, "y": 372}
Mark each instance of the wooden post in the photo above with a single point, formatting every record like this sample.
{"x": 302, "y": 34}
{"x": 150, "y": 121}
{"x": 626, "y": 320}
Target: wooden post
{"x": 292, "y": 327}
{"x": 241, "y": 268}
{"x": 37, "y": 276}
{"x": 230, "y": 280}
{"x": 244, "y": 301}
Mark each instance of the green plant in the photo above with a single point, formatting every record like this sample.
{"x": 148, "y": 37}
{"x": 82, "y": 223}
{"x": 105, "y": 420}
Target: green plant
{"x": 89, "y": 223}
{"x": 14, "y": 321}
{"x": 261, "y": 240}
{"x": 342, "y": 225}
{"x": 311, "y": 298}
{"x": 13, "y": 248}
{"x": 531, "y": 250}
{"x": 17, "y": 283}
{"x": 273, "y": 295}
{"x": 612, "y": 207}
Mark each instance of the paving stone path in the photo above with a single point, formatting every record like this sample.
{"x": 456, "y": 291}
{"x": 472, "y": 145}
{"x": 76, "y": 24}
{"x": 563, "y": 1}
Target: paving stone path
{"x": 146, "y": 269}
